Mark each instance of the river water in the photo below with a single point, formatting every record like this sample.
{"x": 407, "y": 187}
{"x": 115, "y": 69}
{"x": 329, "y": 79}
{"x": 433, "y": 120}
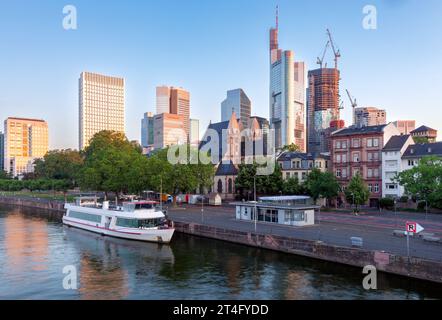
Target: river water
{"x": 35, "y": 249}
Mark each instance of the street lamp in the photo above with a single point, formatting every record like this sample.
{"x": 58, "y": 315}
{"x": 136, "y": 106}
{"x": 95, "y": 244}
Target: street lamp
{"x": 254, "y": 190}
{"x": 202, "y": 208}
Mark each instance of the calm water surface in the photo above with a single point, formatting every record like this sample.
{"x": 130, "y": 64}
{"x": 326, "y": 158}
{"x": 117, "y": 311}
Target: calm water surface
{"x": 34, "y": 249}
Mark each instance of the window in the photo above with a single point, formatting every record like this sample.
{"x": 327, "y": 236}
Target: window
{"x": 287, "y": 175}
{"x": 135, "y": 223}
{"x": 376, "y": 172}
{"x": 410, "y": 163}
{"x": 338, "y": 173}
{"x": 370, "y": 187}
{"x": 355, "y": 143}
{"x": 344, "y": 144}
{"x": 369, "y": 143}
{"x": 356, "y": 157}
{"x": 375, "y": 142}
{"x": 85, "y": 216}
{"x": 369, "y": 173}
{"x": 376, "y": 188}
{"x": 391, "y": 186}
{"x": 344, "y": 173}
{"x": 370, "y": 156}
{"x": 338, "y": 158}
{"x": 344, "y": 158}
{"x": 338, "y": 144}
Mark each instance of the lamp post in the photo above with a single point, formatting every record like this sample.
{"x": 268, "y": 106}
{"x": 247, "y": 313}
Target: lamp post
{"x": 254, "y": 191}
{"x": 395, "y": 211}
{"x": 202, "y": 208}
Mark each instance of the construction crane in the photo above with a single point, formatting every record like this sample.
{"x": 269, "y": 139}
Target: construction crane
{"x": 354, "y": 104}
{"x": 337, "y": 53}
{"x": 321, "y": 60}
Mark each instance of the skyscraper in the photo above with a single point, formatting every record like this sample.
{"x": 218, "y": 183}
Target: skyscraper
{"x": 2, "y": 150}
{"x": 322, "y": 107}
{"x": 147, "y": 130}
{"x": 168, "y": 130}
{"x": 238, "y": 102}
{"x": 370, "y": 116}
{"x": 24, "y": 141}
{"x": 101, "y": 105}
{"x": 287, "y": 98}
{"x": 174, "y": 101}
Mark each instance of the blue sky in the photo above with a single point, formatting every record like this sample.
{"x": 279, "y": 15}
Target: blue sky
{"x": 209, "y": 47}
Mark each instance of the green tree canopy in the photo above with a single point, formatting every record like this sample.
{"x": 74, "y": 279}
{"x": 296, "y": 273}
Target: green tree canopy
{"x": 322, "y": 185}
{"x": 357, "y": 192}
{"x": 59, "y": 165}
{"x": 424, "y": 181}
{"x": 265, "y": 184}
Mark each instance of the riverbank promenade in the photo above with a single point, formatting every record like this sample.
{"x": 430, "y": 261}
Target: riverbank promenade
{"x": 332, "y": 228}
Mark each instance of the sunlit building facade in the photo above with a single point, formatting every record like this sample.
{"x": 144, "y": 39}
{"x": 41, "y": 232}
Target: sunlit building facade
{"x": 101, "y": 105}
{"x": 25, "y": 140}
{"x": 168, "y": 130}
{"x": 238, "y": 102}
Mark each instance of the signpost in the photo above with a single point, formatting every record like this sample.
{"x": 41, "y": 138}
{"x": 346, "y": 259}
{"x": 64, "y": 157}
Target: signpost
{"x": 411, "y": 227}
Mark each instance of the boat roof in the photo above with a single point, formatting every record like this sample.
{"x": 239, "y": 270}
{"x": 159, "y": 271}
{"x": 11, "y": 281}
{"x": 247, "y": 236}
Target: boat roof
{"x": 142, "y": 202}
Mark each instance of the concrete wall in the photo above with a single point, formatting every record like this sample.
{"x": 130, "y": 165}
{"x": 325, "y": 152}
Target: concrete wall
{"x": 418, "y": 268}
{"x": 44, "y": 204}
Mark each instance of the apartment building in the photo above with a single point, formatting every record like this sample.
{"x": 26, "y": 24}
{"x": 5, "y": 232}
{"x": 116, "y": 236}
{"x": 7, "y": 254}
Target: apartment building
{"x": 298, "y": 164}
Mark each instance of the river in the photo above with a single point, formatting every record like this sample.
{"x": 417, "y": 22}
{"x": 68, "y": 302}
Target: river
{"x": 35, "y": 249}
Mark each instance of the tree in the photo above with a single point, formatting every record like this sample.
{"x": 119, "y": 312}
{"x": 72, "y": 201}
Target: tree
{"x": 113, "y": 164}
{"x": 291, "y": 148}
{"x": 265, "y": 184}
{"x": 322, "y": 185}
{"x": 424, "y": 181}
{"x": 59, "y": 165}
{"x": 292, "y": 186}
{"x": 357, "y": 192}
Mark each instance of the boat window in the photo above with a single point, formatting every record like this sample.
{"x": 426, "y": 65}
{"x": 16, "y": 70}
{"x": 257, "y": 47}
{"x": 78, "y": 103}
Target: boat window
{"x": 135, "y": 223}
{"x": 85, "y": 216}
{"x": 144, "y": 206}
{"x": 149, "y": 223}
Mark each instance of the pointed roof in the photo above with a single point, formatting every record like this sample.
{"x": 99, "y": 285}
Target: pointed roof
{"x": 422, "y": 129}
{"x": 226, "y": 169}
{"x": 396, "y": 142}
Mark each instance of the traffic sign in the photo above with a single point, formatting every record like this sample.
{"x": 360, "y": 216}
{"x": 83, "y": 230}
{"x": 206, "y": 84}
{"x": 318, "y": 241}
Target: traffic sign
{"x": 413, "y": 227}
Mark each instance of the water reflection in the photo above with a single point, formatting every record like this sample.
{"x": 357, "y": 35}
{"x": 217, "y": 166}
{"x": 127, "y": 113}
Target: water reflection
{"x": 34, "y": 250}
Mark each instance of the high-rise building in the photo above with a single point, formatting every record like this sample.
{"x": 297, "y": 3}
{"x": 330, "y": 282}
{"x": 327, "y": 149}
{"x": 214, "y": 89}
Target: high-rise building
{"x": 322, "y": 107}
{"x": 147, "y": 132}
{"x": 25, "y": 140}
{"x": 405, "y": 126}
{"x": 101, "y": 105}
{"x": 238, "y": 102}
{"x": 163, "y": 100}
{"x": 175, "y": 101}
{"x": 287, "y": 98}
{"x": 194, "y": 132}
{"x": 168, "y": 130}
{"x": 2, "y": 150}
{"x": 370, "y": 116}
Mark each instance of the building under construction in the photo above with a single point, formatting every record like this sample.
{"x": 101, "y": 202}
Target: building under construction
{"x": 323, "y": 103}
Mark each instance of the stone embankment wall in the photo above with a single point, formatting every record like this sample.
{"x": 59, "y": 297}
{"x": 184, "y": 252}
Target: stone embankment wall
{"x": 417, "y": 268}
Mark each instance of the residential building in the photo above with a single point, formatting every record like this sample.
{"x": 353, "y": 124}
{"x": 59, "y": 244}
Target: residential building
{"x": 238, "y": 102}
{"x": 101, "y": 105}
{"x": 370, "y": 116}
{"x": 322, "y": 107}
{"x": 194, "y": 132}
{"x": 424, "y": 134}
{"x": 24, "y": 141}
{"x": 405, "y": 126}
{"x": 392, "y": 164}
{"x": 415, "y": 152}
{"x": 287, "y": 98}
{"x": 147, "y": 132}
{"x": 168, "y": 130}
{"x": 358, "y": 151}
{"x": 2, "y": 151}
{"x": 174, "y": 101}
{"x": 299, "y": 165}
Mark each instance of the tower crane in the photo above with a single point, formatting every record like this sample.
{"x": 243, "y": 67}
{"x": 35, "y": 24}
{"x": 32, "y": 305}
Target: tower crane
{"x": 321, "y": 60}
{"x": 354, "y": 104}
{"x": 337, "y": 52}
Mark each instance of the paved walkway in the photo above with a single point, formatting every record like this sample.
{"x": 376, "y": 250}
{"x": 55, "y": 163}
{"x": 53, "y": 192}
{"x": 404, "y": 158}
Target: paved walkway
{"x": 375, "y": 228}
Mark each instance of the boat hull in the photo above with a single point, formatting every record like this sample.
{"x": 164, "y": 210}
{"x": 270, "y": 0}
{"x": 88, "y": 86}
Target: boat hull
{"x": 149, "y": 235}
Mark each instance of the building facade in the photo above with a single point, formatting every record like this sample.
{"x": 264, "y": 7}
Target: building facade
{"x": 405, "y": 126}
{"x": 392, "y": 165}
{"x": 322, "y": 107}
{"x": 298, "y": 165}
{"x": 359, "y": 151}
{"x": 194, "y": 132}
{"x": 287, "y": 98}
{"x": 415, "y": 152}
{"x": 24, "y": 141}
{"x": 101, "y": 105}
{"x": 168, "y": 130}
{"x": 370, "y": 116}
{"x": 162, "y": 99}
{"x": 147, "y": 132}
{"x": 238, "y": 102}
{"x": 425, "y": 134}
{"x": 2, "y": 151}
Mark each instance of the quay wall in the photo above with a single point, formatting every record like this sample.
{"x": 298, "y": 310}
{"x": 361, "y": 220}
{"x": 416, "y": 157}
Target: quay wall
{"x": 417, "y": 268}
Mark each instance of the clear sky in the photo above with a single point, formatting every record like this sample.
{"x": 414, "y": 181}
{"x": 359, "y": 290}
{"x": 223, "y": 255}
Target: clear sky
{"x": 209, "y": 47}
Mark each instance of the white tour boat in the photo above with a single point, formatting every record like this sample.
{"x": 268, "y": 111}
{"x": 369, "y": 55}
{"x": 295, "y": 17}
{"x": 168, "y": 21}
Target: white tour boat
{"x": 136, "y": 220}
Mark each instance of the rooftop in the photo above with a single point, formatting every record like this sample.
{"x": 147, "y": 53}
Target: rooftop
{"x": 396, "y": 142}
{"x": 422, "y": 129}
{"x": 359, "y": 130}
{"x": 287, "y": 156}
{"x": 423, "y": 149}
{"x": 226, "y": 169}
